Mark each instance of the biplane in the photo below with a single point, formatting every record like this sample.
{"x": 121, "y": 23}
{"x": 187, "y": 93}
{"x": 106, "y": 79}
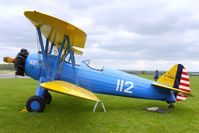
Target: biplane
{"x": 58, "y": 71}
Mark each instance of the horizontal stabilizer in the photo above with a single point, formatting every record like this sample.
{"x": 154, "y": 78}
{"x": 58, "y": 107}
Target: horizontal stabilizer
{"x": 69, "y": 89}
{"x": 171, "y": 88}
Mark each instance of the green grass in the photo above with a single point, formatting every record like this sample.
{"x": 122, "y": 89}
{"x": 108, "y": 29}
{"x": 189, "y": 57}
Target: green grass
{"x": 74, "y": 115}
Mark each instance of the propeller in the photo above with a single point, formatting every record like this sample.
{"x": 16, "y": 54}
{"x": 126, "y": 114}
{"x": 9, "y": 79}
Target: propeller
{"x": 8, "y": 59}
{"x": 19, "y": 62}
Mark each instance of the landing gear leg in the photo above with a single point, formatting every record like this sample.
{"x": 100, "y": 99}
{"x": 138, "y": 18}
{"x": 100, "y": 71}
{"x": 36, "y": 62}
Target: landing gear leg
{"x": 171, "y": 106}
{"x": 47, "y": 98}
{"x": 97, "y": 104}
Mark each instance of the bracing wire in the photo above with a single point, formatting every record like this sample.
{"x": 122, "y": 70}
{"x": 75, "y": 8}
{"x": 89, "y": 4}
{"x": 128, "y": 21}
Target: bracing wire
{"x": 38, "y": 47}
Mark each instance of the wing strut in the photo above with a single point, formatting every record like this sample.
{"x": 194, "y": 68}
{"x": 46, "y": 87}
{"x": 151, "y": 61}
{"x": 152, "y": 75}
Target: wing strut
{"x": 47, "y": 44}
{"x": 41, "y": 45}
{"x": 55, "y": 69}
{"x": 71, "y": 53}
{"x": 44, "y": 53}
{"x": 72, "y": 57}
{"x": 51, "y": 48}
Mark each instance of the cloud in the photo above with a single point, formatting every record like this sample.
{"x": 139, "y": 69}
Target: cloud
{"x": 128, "y": 34}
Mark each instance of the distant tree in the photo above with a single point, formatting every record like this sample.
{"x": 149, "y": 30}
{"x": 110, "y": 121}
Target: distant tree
{"x": 143, "y": 72}
{"x": 7, "y": 67}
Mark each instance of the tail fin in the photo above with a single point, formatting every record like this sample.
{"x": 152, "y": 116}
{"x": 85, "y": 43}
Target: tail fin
{"x": 177, "y": 77}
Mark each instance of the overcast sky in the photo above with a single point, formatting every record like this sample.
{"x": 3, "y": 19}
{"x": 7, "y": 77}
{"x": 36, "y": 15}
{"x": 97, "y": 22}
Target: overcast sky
{"x": 122, "y": 34}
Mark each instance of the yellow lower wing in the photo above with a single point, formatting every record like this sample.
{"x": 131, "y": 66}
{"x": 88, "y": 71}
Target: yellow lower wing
{"x": 70, "y": 89}
{"x": 171, "y": 88}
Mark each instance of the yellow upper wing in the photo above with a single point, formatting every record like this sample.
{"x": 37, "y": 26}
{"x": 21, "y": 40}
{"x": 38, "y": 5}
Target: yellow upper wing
{"x": 54, "y": 29}
{"x": 70, "y": 89}
{"x": 171, "y": 88}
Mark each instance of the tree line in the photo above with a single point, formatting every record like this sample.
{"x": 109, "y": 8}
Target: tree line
{"x": 7, "y": 67}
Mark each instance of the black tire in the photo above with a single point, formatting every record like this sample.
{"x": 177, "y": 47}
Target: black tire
{"x": 35, "y": 104}
{"x": 47, "y": 98}
{"x": 171, "y": 106}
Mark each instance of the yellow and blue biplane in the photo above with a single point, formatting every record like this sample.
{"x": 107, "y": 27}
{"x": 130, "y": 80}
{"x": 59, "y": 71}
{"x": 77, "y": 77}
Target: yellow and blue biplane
{"x": 58, "y": 72}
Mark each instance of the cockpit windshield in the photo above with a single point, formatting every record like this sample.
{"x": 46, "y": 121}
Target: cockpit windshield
{"x": 87, "y": 63}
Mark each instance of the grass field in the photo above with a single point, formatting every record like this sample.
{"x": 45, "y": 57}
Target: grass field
{"x": 67, "y": 114}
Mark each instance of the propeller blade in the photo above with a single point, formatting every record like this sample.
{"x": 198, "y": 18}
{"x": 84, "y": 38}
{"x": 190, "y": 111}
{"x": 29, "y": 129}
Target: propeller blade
{"x": 8, "y": 59}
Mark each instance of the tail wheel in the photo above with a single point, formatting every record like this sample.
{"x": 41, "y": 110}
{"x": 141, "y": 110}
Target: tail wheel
{"x": 171, "y": 106}
{"x": 35, "y": 104}
{"x": 47, "y": 98}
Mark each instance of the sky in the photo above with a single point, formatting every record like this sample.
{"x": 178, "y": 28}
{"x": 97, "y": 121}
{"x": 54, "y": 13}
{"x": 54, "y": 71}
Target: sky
{"x": 121, "y": 34}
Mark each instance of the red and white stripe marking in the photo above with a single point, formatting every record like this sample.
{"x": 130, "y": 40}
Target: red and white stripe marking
{"x": 184, "y": 85}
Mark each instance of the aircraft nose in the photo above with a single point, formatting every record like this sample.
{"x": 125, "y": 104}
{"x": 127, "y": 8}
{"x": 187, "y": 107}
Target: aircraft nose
{"x": 19, "y": 61}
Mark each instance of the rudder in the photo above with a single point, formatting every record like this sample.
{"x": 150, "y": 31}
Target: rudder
{"x": 177, "y": 77}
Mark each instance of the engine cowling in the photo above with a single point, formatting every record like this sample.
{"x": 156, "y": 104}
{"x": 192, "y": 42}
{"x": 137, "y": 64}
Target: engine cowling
{"x": 20, "y": 61}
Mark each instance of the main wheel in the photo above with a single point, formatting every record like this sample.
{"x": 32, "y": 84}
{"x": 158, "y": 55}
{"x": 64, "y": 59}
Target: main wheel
{"x": 35, "y": 104}
{"x": 47, "y": 98}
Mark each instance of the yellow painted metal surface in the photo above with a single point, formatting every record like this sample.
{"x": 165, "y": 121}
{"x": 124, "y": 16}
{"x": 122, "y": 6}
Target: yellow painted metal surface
{"x": 8, "y": 59}
{"x": 169, "y": 77}
{"x": 69, "y": 89}
{"x": 171, "y": 88}
{"x": 54, "y": 29}
{"x": 76, "y": 51}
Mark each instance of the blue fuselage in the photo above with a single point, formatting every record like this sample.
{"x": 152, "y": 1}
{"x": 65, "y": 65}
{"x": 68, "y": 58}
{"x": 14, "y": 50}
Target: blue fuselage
{"x": 105, "y": 81}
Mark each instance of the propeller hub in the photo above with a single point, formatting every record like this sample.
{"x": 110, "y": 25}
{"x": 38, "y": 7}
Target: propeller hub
{"x": 8, "y": 59}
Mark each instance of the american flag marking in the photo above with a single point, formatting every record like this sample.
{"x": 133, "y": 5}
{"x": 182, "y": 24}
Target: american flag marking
{"x": 184, "y": 85}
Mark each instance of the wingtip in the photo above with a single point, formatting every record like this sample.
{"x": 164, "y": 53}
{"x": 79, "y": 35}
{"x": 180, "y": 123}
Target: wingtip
{"x": 27, "y": 13}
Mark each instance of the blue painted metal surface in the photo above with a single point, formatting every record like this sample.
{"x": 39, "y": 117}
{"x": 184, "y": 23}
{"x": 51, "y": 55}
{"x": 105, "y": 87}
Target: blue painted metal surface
{"x": 57, "y": 61}
{"x": 105, "y": 81}
{"x": 71, "y": 53}
{"x": 41, "y": 44}
{"x": 51, "y": 48}
{"x": 33, "y": 66}
{"x": 72, "y": 57}
{"x": 47, "y": 45}
{"x": 40, "y": 91}
{"x": 35, "y": 105}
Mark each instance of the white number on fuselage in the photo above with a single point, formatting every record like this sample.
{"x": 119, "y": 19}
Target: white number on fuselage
{"x": 124, "y": 86}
